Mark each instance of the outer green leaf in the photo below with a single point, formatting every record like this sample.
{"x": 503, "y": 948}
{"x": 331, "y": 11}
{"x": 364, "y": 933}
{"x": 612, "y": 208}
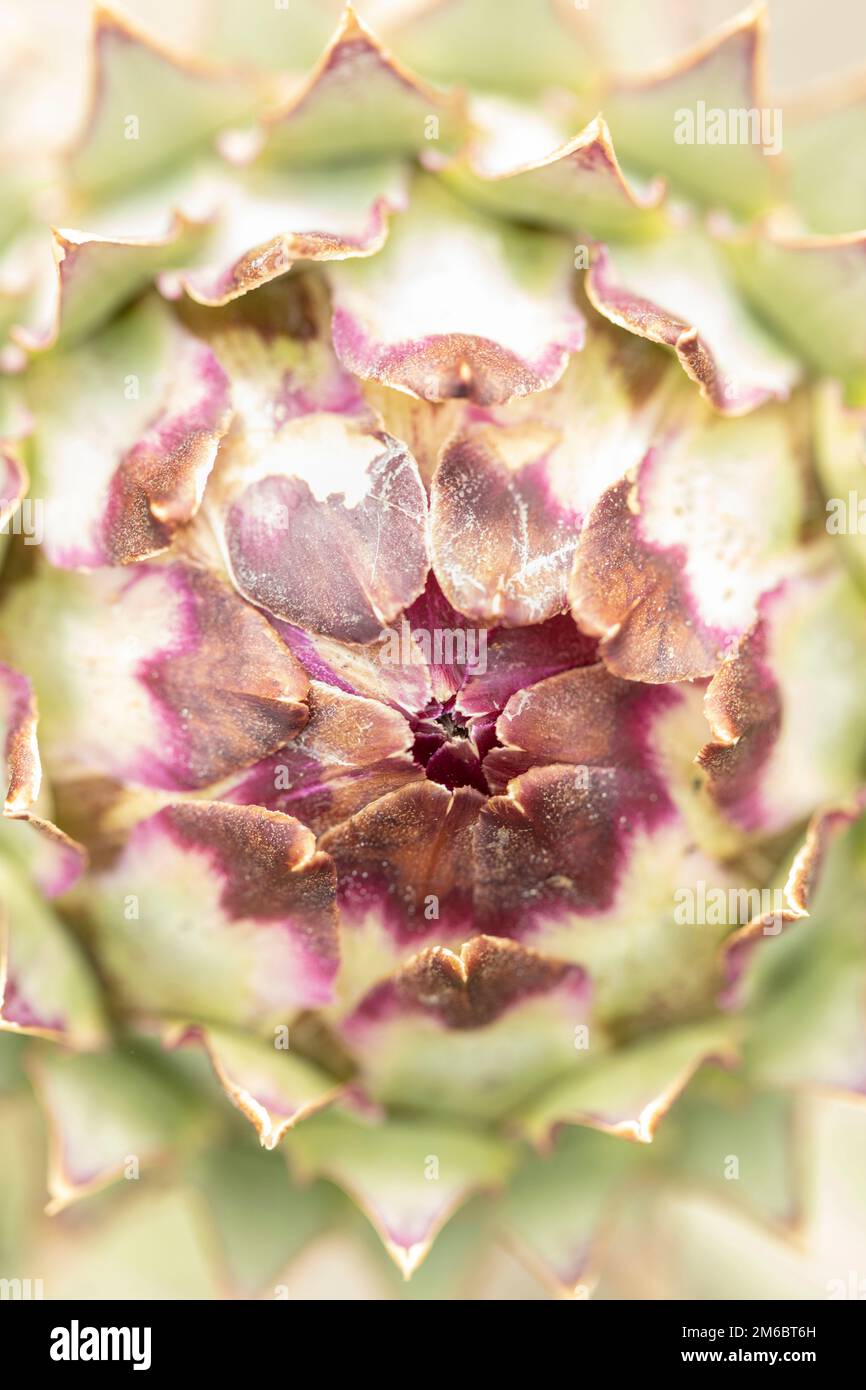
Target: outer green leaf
{"x": 112, "y": 1115}
{"x": 627, "y": 1092}
{"x": 721, "y": 74}
{"x": 407, "y": 1176}
{"x": 260, "y": 1220}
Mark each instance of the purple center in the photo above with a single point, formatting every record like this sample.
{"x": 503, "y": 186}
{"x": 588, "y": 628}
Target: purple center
{"x": 450, "y": 746}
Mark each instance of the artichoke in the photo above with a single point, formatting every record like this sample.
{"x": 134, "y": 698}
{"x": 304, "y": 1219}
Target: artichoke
{"x": 432, "y": 633}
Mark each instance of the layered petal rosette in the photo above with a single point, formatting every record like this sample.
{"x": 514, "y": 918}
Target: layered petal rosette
{"x": 432, "y": 638}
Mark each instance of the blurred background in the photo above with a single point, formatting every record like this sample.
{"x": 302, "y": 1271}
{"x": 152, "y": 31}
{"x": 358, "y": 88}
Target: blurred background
{"x": 44, "y": 43}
